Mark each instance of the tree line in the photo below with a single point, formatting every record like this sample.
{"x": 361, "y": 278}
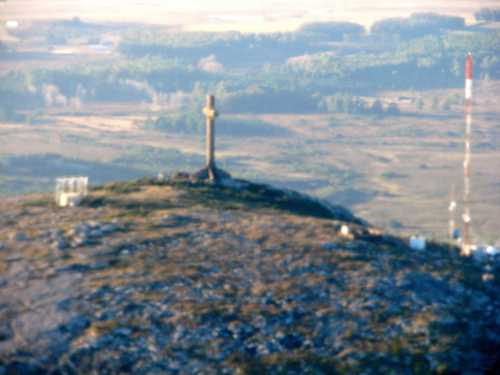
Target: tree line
{"x": 304, "y": 73}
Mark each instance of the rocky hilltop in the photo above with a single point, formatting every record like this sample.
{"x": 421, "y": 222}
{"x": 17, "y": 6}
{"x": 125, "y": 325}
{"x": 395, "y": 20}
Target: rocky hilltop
{"x": 183, "y": 277}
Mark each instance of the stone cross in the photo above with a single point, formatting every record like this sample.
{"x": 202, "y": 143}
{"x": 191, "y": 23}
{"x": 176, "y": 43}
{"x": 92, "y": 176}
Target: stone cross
{"x": 210, "y": 114}
{"x": 210, "y": 171}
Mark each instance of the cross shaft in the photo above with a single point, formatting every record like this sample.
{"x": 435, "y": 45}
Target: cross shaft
{"x": 210, "y": 113}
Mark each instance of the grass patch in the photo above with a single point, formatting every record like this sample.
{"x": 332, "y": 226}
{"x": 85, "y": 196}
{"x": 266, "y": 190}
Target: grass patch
{"x": 133, "y": 207}
{"x": 255, "y": 196}
{"x": 249, "y": 196}
{"x": 39, "y": 202}
{"x": 124, "y": 187}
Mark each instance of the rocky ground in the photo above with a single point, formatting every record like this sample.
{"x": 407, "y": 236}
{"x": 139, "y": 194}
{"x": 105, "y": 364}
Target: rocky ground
{"x": 178, "y": 277}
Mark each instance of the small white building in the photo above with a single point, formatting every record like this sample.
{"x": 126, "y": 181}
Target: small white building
{"x": 71, "y": 190}
{"x": 418, "y": 242}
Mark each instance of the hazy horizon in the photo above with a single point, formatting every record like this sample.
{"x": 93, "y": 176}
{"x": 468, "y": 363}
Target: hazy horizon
{"x": 224, "y": 14}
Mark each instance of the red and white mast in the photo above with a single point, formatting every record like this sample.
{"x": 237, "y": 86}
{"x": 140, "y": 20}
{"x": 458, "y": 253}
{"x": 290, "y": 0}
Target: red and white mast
{"x": 466, "y": 243}
{"x": 468, "y": 77}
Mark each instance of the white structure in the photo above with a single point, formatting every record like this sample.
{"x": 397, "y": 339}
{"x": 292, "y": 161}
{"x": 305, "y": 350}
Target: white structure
{"x": 417, "y": 242}
{"x": 492, "y": 251}
{"x": 71, "y": 190}
{"x": 485, "y": 252}
{"x": 11, "y": 25}
{"x": 160, "y": 177}
{"x": 451, "y": 214}
{"x": 344, "y": 230}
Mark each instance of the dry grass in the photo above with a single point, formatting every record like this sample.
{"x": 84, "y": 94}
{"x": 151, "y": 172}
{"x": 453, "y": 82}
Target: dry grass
{"x": 405, "y": 164}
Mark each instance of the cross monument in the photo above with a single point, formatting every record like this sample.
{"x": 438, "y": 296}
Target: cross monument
{"x": 210, "y": 115}
{"x": 211, "y": 172}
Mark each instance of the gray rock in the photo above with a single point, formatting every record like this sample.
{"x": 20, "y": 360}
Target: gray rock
{"x": 109, "y": 228}
{"x": 13, "y": 258}
{"x": 176, "y": 220}
{"x": 54, "y": 234}
{"x": 60, "y": 244}
{"x": 72, "y": 232}
{"x": 2, "y": 246}
{"x": 6, "y": 332}
{"x": 94, "y": 224}
{"x": 126, "y": 332}
{"x": 329, "y": 246}
{"x": 263, "y": 349}
{"x": 18, "y": 236}
{"x": 77, "y": 267}
{"x": 82, "y": 228}
{"x": 179, "y": 333}
{"x": 95, "y": 233}
{"x": 488, "y": 277}
{"x": 79, "y": 241}
{"x": 76, "y": 325}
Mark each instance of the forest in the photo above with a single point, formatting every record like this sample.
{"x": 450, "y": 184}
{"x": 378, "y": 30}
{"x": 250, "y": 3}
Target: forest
{"x": 321, "y": 67}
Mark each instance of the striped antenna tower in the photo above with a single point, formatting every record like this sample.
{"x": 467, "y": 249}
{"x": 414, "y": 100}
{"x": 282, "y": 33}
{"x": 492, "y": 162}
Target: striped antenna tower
{"x": 466, "y": 241}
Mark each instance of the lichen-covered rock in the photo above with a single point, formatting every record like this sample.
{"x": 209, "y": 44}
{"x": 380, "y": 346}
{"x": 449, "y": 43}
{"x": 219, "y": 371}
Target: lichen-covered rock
{"x": 200, "y": 278}
{"x": 18, "y": 236}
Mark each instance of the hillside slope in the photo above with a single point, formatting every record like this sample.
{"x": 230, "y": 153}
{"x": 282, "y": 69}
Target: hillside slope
{"x": 179, "y": 277}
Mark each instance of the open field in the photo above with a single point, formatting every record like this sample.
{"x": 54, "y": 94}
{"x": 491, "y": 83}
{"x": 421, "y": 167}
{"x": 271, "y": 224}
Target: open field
{"x": 396, "y": 172}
